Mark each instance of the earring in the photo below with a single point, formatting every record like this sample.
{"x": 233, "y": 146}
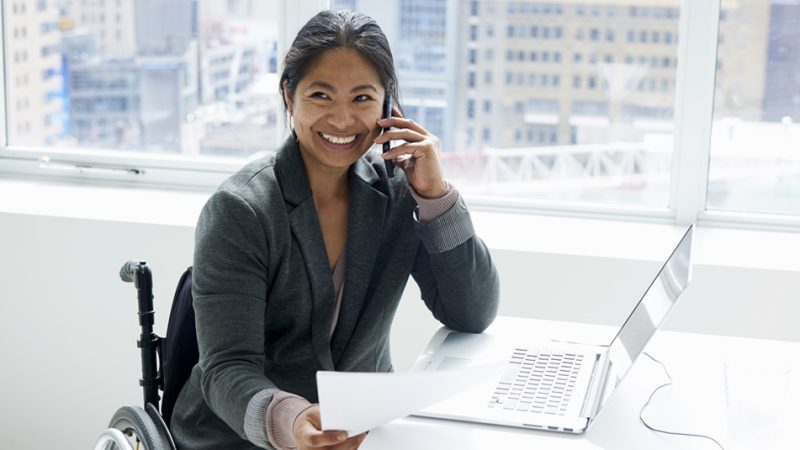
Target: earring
{"x": 291, "y": 127}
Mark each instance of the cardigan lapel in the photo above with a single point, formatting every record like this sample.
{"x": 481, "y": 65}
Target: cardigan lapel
{"x": 305, "y": 228}
{"x": 365, "y": 228}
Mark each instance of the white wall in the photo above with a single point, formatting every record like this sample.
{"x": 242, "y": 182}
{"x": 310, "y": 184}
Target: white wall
{"x": 68, "y": 338}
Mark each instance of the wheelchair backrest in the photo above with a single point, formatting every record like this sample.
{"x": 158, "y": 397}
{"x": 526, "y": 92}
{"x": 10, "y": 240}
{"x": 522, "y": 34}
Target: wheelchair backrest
{"x": 179, "y": 347}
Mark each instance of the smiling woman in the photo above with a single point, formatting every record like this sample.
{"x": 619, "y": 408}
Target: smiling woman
{"x": 301, "y": 258}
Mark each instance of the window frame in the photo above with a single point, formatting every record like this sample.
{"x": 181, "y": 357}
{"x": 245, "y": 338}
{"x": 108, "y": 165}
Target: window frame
{"x": 698, "y": 24}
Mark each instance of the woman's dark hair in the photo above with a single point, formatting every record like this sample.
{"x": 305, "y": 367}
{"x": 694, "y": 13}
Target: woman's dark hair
{"x": 333, "y": 29}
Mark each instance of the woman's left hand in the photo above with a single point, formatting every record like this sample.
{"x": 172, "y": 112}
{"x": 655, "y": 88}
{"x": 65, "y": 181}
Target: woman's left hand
{"x": 418, "y": 156}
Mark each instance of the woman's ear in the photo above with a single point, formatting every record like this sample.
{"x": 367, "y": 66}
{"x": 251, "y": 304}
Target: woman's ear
{"x": 286, "y": 98}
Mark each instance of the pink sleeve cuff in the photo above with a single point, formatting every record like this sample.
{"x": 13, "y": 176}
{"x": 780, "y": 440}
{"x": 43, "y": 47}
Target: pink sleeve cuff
{"x": 281, "y": 414}
{"x": 431, "y": 208}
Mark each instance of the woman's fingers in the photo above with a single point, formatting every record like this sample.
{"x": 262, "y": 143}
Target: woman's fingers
{"x": 351, "y": 443}
{"x": 401, "y": 122}
{"x": 415, "y": 150}
{"x": 418, "y": 156}
{"x": 311, "y": 437}
{"x": 307, "y": 432}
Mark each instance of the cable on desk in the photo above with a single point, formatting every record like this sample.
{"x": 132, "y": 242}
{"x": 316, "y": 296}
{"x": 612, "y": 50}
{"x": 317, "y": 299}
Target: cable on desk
{"x": 652, "y": 394}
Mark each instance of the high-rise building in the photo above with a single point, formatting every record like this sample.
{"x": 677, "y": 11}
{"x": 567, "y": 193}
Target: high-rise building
{"x": 131, "y": 81}
{"x": 110, "y": 23}
{"x": 782, "y": 96}
{"x": 560, "y": 73}
{"x": 105, "y": 102}
{"x": 34, "y": 84}
{"x": 423, "y": 35}
{"x": 238, "y": 85}
{"x": 742, "y": 59}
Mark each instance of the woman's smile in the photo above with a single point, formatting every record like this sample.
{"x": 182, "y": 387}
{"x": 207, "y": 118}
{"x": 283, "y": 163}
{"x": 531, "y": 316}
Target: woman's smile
{"x": 339, "y": 142}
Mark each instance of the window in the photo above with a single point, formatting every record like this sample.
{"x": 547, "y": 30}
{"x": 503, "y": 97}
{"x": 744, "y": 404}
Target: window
{"x": 82, "y": 62}
{"x": 473, "y": 32}
{"x": 755, "y": 164}
{"x": 93, "y": 99}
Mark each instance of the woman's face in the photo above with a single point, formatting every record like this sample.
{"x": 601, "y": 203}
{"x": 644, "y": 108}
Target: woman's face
{"x": 335, "y": 109}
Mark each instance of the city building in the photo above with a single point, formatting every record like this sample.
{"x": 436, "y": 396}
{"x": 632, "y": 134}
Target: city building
{"x": 423, "y": 38}
{"x": 782, "y": 96}
{"x": 110, "y": 23}
{"x": 568, "y": 72}
{"x": 34, "y": 74}
{"x": 130, "y": 82}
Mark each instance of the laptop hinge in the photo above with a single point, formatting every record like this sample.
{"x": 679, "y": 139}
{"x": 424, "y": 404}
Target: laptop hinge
{"x": 597, "y": 382}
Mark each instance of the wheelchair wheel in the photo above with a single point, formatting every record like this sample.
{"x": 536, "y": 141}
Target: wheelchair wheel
{"x": 142, "y": 430}
{"x": 112, "y": 439}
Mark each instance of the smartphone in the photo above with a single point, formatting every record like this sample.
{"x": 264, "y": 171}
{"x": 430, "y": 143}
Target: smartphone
{"x": 387, "y": 112}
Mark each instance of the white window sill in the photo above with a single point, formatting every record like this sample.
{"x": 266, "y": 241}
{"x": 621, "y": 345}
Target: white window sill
{"x": 769, "y": 250}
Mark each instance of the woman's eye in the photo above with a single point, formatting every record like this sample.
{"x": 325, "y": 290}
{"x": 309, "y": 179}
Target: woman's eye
{"x": 362, "y": 98}
{"x": 321, "y": 95}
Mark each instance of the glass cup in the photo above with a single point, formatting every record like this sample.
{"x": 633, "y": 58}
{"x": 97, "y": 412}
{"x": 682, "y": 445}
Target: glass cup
{"x": 755, "y": 399}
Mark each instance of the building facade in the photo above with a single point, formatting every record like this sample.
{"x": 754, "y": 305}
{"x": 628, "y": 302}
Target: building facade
{"x": 34, "y": 73}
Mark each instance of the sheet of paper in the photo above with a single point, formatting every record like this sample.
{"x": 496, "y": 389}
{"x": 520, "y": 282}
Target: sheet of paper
{"x": 357, "y": 402}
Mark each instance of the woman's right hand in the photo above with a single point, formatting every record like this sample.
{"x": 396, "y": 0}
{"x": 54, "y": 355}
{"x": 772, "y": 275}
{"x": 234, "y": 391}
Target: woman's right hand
{"x": 308, "y": 433}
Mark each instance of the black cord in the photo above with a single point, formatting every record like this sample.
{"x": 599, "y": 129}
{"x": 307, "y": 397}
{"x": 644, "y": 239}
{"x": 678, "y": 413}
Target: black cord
{"x": 652, "y": 394}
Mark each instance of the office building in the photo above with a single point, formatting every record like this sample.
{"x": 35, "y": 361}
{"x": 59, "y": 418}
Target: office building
{"x": 742, "y": 59}
{"x": 422, "y": 34}
{"x": 34, "y": 73}
{"x": 782, "y": 96}
{"x": 239, "y": 100}
{"x": 561, "y": 73}
{"x": 111, "y": 23}
{"x": 131, "y": 72}
{"x": 104, "y": 102}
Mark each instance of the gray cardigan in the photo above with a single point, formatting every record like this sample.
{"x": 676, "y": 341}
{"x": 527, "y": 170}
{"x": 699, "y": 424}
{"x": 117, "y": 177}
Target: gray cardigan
{"x": 264, "y": 296}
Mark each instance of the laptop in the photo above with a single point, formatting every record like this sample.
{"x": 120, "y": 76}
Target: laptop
{"x": 558, "y": 386}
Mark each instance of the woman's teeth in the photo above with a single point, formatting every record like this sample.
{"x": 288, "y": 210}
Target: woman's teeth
{"x": 341, "y": 140}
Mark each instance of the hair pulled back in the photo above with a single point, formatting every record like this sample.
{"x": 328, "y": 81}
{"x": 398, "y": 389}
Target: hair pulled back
{"x": 338, "y": 29}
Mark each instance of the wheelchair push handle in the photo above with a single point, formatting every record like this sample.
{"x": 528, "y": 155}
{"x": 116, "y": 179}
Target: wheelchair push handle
{"x": 149, "y": 343}
{"x": 130, "y": 268}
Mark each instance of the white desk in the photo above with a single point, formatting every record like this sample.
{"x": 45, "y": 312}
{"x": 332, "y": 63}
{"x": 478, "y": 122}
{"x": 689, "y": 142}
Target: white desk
{"x": 694, "y": 404}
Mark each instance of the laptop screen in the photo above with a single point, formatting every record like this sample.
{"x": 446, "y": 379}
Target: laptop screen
{"x": 650, "y": 312}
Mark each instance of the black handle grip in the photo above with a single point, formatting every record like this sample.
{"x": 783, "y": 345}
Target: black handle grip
{"x": 129, "y": 269}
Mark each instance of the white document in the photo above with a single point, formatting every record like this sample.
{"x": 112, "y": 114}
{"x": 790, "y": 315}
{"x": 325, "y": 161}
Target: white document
{"x": 357, "y": 402}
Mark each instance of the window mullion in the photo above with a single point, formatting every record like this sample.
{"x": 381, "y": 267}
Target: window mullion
{"x": 3, "y": 85}
{"x": 694, "y": 107}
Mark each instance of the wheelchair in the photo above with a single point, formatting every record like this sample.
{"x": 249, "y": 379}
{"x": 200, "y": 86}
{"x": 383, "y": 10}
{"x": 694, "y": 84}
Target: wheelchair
{"x": 167, "y": 363}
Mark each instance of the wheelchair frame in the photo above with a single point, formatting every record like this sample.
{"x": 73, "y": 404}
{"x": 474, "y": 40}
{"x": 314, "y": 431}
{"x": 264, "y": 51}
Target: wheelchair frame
{"x": 145, "y": 425}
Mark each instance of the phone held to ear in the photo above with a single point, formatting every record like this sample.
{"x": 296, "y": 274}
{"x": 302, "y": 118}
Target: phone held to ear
{"x": 387, "y": 113}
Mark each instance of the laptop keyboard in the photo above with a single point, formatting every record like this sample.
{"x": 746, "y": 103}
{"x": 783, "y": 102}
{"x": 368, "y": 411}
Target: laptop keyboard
{"x": 538, "y": 381}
